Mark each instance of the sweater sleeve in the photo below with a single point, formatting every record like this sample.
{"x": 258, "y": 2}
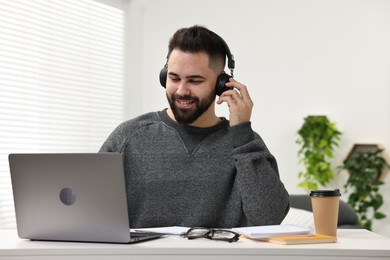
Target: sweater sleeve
{"x": 265, "y": 200}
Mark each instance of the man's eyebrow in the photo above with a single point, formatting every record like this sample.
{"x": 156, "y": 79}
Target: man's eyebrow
{"x": 173, "y": 74}
{"x": 188, "y": 77}
{"x": 195, "y": 77}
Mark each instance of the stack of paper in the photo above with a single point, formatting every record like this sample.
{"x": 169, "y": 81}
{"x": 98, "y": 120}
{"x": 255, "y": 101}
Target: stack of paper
{"x": 272, "y": 231}
{"x": 251, "y": 232}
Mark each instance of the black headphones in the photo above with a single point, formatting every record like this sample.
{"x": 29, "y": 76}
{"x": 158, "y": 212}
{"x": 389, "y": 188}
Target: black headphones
{"x": 221, "y": 80}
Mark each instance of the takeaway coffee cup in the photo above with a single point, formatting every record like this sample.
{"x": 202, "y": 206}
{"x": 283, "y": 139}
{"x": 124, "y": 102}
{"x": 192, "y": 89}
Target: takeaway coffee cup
{"x": 325, "y": 204}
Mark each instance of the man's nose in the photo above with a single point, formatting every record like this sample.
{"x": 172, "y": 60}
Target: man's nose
{"x": 183, "y": 89}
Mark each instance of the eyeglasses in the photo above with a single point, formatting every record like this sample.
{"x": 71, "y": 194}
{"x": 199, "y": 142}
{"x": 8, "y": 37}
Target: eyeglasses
{"x": 215, "y": 234}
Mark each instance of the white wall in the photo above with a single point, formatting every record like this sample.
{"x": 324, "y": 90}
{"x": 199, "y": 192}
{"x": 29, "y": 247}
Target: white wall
{"x": 298, "y": 58}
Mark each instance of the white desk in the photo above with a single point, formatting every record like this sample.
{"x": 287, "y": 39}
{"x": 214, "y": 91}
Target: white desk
{"x": 352, "y": 244}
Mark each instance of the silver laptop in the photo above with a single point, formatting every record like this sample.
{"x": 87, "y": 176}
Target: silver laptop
{"x": 72, "y": 197}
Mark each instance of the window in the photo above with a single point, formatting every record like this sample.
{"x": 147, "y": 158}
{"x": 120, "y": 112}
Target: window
{"x": 61, "y": 80}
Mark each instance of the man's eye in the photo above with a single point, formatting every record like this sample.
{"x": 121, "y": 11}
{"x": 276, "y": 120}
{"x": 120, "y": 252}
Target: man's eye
{"x": 196, "y": 82}
{"x": 174, "y": 79}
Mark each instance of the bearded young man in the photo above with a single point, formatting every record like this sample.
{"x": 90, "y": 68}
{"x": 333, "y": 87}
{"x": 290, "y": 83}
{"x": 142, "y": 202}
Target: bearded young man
{"x": 185, "y": 166}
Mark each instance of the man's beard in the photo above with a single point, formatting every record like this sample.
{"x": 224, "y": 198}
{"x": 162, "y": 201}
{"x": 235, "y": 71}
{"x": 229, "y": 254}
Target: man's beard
{"x": 188, "y": 116}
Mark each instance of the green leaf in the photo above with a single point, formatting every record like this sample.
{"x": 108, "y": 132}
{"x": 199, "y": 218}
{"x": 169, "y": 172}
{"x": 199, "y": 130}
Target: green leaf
{"x": 379, "y": 215}
{"x": 367, "y": 224}
{"x": 307, "y": 185}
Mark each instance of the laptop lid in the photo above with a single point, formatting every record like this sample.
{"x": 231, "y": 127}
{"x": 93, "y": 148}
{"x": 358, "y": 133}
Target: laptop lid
{"x": 71, "y": 197}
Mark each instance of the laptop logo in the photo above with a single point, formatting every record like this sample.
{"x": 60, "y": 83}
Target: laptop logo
{"x": 67, "y": 196}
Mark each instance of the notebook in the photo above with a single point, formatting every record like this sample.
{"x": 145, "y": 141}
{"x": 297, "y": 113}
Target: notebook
{"x": 297, "y": 240}
{"x": 72, "y": 197}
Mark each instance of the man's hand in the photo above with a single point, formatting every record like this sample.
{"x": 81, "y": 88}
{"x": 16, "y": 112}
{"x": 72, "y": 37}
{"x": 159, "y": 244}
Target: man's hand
{"x": 239, "y": 102}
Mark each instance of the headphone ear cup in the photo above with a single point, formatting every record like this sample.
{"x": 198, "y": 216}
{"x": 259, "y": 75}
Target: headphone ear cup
{"x": 163, "y": 76}
{"x": 221, "y": 81}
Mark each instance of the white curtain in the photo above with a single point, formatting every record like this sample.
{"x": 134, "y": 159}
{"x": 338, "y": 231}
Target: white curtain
{"x": 61, "y": 80}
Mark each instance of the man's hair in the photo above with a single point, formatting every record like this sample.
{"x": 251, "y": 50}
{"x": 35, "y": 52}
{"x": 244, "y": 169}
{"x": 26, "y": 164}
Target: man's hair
{"x": 200, "y": 39}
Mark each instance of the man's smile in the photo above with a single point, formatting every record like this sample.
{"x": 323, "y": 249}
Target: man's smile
{"x": 184, "y": 103}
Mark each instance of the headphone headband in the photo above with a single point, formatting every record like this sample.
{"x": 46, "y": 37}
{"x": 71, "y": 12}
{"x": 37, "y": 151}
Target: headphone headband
{"x": 231, "y": 62}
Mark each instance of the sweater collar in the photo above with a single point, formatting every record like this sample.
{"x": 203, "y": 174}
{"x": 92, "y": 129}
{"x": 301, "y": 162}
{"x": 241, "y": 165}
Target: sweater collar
{"x": 223, "y": 124}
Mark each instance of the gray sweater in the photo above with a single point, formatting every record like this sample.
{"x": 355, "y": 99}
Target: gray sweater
{"x": 178, "y": 175}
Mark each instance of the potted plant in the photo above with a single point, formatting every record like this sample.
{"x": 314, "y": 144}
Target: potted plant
{"x": 365, "y": 170}
{"x": 317, "y": 137}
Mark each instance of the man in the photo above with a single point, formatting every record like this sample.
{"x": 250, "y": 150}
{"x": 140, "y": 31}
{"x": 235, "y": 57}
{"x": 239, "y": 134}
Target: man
{"x": 185, "y": 166}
